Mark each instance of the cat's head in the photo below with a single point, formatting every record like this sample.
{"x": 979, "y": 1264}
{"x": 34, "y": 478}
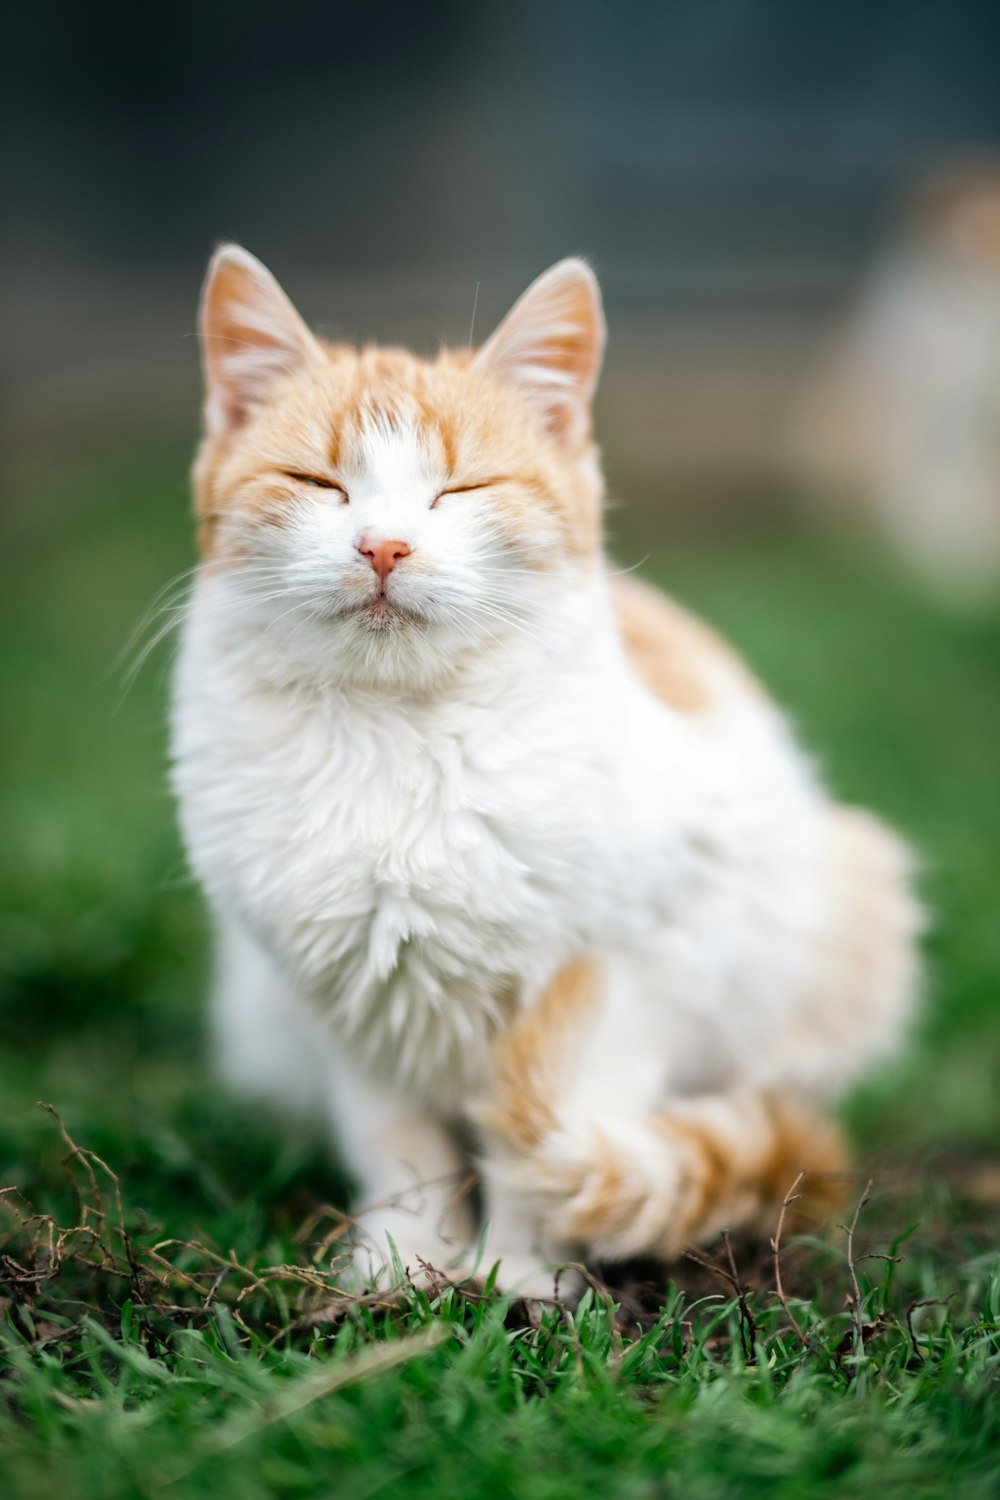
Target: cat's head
{"x": 386, "y": 514}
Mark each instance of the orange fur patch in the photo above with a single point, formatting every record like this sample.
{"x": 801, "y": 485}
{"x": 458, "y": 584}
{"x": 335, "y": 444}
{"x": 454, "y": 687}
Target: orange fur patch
{"x": 606, "y": 1201}
{"x": 681, "y": 660}
{"x": 737, "y": 1160}
{"x": 805, "y": 1140}
{"x": 532, "y": 1057}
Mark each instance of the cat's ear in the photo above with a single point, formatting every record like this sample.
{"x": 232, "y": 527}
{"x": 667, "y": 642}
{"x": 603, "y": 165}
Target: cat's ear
{"x": 250, "y": 336}
{"x": 550, "y": 345}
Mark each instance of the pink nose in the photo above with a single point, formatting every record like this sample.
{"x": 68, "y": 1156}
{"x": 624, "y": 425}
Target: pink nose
{"x": 383, "y": 555}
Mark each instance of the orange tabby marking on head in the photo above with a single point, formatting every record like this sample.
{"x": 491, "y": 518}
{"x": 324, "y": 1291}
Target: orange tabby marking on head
{"x": 322, "y": 408}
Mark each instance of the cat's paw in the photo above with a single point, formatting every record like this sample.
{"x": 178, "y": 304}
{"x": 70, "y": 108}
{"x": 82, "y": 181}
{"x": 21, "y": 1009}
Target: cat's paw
{"x": 525, "y": 1277}
{"x": 392, "y": 1265}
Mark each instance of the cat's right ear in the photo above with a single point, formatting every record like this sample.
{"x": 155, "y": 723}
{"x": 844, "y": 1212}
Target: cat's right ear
{"x": 550, "y": 346}
{"x": 250, "y": 335}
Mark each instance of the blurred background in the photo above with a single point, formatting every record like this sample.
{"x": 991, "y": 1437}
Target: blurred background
{"x": 795, "y": 215}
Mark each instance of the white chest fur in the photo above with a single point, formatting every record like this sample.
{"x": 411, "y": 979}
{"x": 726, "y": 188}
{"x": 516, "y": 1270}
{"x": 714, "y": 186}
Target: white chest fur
{"x": 419, "y": 867}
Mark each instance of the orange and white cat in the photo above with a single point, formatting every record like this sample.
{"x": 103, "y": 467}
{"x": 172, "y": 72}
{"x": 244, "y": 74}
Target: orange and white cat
{"x": 499, "y": 845}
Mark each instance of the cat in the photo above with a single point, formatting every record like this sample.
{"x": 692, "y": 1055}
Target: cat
{"x": 501, "y": 847}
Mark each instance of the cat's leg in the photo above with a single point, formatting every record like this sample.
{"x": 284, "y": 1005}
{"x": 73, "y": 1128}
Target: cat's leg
{"x": 273, "y": 1046}
{"x": 577, "y": 1141}
{"x": 603, "y": 1158}
{"x": 549, "y": 1057}
{"x": 735, "y": 1153}
{"x": 528, "y": 1260}
{"x": 413, "y": 1180}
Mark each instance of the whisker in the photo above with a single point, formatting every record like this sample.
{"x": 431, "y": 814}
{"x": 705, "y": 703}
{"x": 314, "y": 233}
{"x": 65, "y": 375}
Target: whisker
{"x": 621, "y": 572}
{"x": 169, "y": 608}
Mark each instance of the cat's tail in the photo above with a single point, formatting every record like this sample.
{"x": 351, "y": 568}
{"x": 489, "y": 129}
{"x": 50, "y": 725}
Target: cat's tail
{"x": 619, "y": 1183}
{"x": 613, "y": 1187}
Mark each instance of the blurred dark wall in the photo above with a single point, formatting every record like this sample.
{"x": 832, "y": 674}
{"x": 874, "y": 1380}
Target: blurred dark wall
{"x": 728, "y": 166}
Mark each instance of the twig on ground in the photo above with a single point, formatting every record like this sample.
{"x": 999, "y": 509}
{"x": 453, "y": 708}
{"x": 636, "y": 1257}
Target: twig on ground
{"x": 731, "y": 1276}
{"x": 792, "y": 1196}
{"x": 911, "y": 1308}
{"x": 748, "y": 1328}
{"x": 854, "y": 1299}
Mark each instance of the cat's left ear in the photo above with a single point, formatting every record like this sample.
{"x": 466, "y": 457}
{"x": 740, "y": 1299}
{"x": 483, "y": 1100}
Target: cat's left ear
{"x": 550, "y": 344}
{"x": 251, "y": 336}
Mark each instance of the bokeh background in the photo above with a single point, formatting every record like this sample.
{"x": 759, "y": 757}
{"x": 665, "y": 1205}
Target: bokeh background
{"x": 756, "y": 182}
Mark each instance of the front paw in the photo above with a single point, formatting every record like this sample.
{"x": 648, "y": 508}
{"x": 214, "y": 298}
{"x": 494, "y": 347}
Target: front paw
{"x": 388, "y": 1264}
{"x": 525, "y": 1276}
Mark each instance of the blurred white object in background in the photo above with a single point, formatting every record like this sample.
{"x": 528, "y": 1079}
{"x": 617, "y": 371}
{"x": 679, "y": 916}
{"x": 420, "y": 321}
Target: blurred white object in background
{"x": 903, "y": 417}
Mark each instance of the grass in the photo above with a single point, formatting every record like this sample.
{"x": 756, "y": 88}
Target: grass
{"x": 170, "y": 1323}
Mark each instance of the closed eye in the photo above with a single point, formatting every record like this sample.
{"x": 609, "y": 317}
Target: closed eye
{"x": 465, "y": 489}
{"x": 317, "y": 481}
